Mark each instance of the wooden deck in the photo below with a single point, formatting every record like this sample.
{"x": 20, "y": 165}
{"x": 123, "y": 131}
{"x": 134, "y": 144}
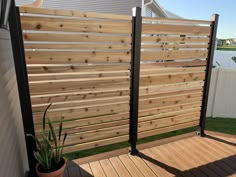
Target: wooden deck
{"x": 213, "y": 156}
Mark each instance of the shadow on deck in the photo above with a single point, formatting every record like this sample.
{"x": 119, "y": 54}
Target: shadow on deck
{"x": 213, "y": 156}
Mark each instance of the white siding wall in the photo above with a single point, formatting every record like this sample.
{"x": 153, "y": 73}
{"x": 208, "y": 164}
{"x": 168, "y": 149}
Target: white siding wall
{"x": 106, "y": 6}
{"x": 222, "y": 99}
{"x": 13, "y": 154}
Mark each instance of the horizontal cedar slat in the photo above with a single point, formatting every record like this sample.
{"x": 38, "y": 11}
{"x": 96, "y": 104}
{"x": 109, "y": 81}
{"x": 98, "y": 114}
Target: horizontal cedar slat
{"x": 155, "y": 89}
{"x": 173, "y": 46}
{"x": 168, "y": 108}
{"x": 173, "y": 55}
{"x": 70, "y": 96}
{"x": 83, "y": 112}
{"x": 71, "y": 13}
{"x": 79, "y": 103}
{"x": 193, "y": 63}
{"x": 157, "y": 39}
{"x": 97, "y": 143}
{"x": 165, "y": 101}
{"x": 100, "y": 118}
{"x": 174, "y": 29}
{"x": 175, "y": 20}
{"x": 58, "y": 57}
{"x": 81, "y": 124}
{"x": 58, "y": 86}
{"x": 110, "y": 99}
{"x": 76, "y": 112}
{"x": 169, "y": 114}
{"x": 87, "y": 124}
{"x": 87, "y": 47}
{"x": 78, "y": 75}
{"x": 76, "y": 130}
{"x": 169, "y": 121}
{"x": 171, "y": 78}
{"x": 74, "y": 25}
{"x": 40, "y": 69}
{"x": 52, "y": 37}
{"x": 150, "y": 90}
{"x": 145, "y": 90}
{"x": 103, "y": 74}
{"x": 168, "y": 129}
{"x": 170, "y": 93}
{"x": 147, "y": 70}
{"x": 98, "y": 134}
{"x": 44, "y": 87}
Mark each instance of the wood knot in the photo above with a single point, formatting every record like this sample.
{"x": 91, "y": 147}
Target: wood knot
{"x": 158, "y": 40}
{"x": 45, "y": 68}
{"x": 25, "y": 36}
{"x": 38, "y": 26}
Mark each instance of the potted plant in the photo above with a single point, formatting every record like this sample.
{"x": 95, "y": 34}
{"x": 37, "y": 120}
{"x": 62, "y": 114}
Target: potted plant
{"x": 50, "y": 160}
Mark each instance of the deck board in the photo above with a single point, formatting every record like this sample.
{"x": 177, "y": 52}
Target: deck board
{"x": 213, "y": 156}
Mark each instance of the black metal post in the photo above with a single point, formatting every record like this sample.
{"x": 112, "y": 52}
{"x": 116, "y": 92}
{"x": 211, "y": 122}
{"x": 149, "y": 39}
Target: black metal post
{"x": 210, "y": 57}
{"x": 22, "y": 82}
{"x": 134, "y": 87}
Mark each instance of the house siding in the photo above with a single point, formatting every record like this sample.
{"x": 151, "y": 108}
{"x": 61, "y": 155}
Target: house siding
{"x": 14, "y": 162}
{"x": 103, "y": 6}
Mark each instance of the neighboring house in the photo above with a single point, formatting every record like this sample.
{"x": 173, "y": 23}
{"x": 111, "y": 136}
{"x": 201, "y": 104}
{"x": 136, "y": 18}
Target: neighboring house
{"x": 231, "y": 42}
{"x": 150, "y": 8}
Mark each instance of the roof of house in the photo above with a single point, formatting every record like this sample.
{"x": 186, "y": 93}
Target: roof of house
{"x": 159, "y": 10}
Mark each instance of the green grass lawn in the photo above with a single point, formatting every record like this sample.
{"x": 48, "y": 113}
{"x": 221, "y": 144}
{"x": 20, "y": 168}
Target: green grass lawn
{"x": 223, "y": 125}
{"x": 228, "y": 48}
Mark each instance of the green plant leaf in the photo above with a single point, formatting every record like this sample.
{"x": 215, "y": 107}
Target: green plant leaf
{"x": 64, "y": 139}
{"x": 40, "y": 159}
{"x": 53, "y": 132}
{"x": 49, "y": 135}
{"x": 60, "y": 130}
{"x": 44, "y": 116}
{"x": 46, "y": 141}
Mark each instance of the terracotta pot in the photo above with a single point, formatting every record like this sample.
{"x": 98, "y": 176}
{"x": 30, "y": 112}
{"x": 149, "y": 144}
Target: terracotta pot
{"x": 57, "y": 173}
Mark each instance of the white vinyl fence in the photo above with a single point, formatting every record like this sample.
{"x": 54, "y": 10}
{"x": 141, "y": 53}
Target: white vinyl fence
{"x": 222, "y": 96}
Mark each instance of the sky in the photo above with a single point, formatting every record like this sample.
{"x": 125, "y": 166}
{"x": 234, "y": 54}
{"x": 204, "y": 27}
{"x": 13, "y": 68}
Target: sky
{"x": 203, "y": 9}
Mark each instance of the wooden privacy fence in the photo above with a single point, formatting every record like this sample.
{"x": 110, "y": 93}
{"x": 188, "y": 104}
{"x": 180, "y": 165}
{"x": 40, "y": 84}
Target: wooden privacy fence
{"x": 87, "y": 65}
{"x": 171, "y": 84}
{"x": 80, "y": 62}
